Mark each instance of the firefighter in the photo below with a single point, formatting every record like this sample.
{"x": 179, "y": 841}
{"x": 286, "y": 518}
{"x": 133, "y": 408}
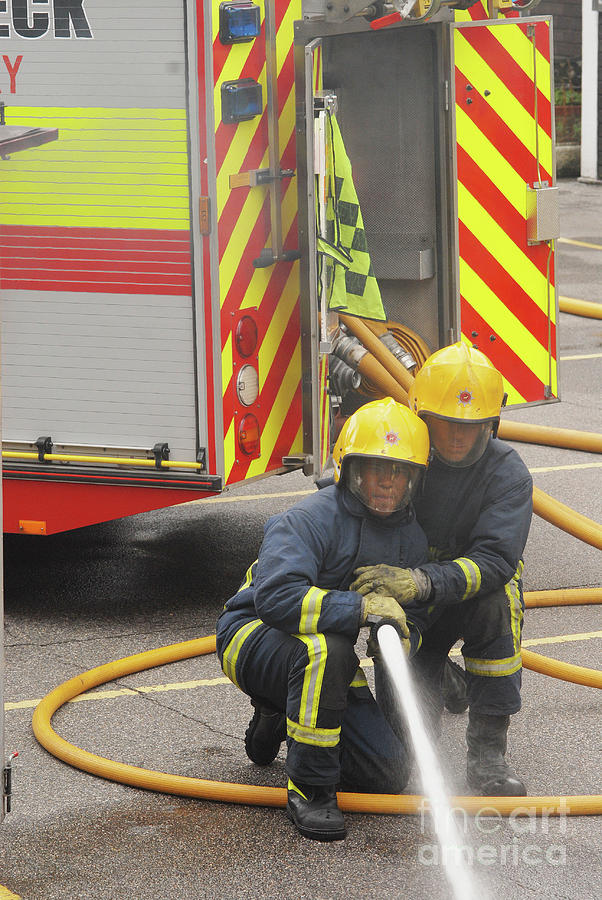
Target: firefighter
{"x": 287, "y": 637}
{"x": 475, "y": 508}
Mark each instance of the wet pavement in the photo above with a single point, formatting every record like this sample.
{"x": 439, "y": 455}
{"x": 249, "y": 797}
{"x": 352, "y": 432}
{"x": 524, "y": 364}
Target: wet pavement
{"x": 80, "y": 599}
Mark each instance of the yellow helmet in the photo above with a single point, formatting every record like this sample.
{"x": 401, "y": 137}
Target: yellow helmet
{"x": 380, "y": 455}
{"x": 458, "y": 383}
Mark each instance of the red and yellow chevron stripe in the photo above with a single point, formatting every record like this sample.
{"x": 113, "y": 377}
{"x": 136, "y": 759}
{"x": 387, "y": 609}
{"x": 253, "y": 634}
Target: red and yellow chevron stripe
{"x": 479, "y": 11}
{"x": 243, "y": 215}
{"x": 504, "y": 137}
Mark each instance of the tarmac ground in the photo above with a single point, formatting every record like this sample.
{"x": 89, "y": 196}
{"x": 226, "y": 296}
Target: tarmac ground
{"x": 77, "y": 600}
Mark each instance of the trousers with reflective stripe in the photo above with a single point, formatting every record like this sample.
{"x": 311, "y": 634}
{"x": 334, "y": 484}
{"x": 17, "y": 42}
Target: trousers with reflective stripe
{"x": 490, "y": 626}
{"x": 336, "y": 733}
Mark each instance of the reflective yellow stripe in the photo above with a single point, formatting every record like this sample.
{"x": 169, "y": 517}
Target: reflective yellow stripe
{"x": 312, "y": 681}
{"x": 520, "y": 49}
{"x": 472, "y": 573}
{"x": 493, "y": 668}
{"x": 507, "y": 106}
{"x": 318, "y": 737}
{"x": 284, "y": 398}
{"x": 516, "y": 610}
{"x": 481, "y": 297}
{"x": 359, "y": 679}
{"x": 293, "y": 787}
{"x": 510, "y": 256}
{"x": 311, "y": 607}
{"x": 491, "y": 161}
{"x": 248, "y": 578}
{"x": 234, "y": 647}
{"x": 92, "y": 161}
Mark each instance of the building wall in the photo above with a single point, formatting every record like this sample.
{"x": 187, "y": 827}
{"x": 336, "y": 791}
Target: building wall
{"x": 567, "y": 26}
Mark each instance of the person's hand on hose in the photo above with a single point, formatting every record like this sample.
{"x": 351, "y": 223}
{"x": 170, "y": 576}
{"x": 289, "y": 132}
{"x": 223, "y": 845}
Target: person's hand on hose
{"x": 378, "y": 606}
{"x": 404, "y": 585}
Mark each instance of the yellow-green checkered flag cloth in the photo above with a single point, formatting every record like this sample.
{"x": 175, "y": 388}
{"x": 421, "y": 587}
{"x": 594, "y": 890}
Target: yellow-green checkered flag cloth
{"x": 352, "y": 287}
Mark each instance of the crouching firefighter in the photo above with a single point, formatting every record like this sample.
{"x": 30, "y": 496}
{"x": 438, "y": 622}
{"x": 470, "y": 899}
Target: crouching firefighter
{"x": 287, "y": 637}
{"x": 475, "y": 506}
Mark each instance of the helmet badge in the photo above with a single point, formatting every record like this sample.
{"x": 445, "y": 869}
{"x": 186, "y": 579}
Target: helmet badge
{"x": 391, "y": 438}
{"x": 464, "y": 398}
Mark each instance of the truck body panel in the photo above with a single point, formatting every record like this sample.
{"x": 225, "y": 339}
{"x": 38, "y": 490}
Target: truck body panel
{"x": 141, "y": 249}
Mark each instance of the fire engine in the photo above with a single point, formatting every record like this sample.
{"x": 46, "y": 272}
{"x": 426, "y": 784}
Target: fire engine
{"x": 168, "y": 328}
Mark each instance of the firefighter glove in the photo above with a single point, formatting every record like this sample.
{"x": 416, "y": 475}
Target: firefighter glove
{"x": 379, "y": 606}
{"x": 404, "y": 585}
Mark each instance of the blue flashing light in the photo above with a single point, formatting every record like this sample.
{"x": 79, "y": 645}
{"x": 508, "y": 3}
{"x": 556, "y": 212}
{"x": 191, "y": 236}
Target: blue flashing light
{"x": 241, "y": 100}
{"x": 239, "y": 22}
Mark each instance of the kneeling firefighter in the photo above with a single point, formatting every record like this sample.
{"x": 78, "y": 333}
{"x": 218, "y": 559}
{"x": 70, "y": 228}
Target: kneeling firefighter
{"x": 475, "y": 506}
{"x": 287, "y": 637}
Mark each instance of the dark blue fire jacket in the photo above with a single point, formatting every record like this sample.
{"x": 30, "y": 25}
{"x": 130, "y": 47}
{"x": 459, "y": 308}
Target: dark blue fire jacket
{"x": 306, "y": 563}
{"x": 476, "y": 521}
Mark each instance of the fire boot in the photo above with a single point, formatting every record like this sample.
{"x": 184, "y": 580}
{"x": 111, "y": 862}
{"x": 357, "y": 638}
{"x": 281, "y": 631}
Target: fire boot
{"x": 453, "y": 687}
{"x": 314, "y": 811}
{"x": 266, "y": 731}
{"x": 487, "y": 771}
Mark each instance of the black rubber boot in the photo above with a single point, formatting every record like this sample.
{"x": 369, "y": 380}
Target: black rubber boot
{"x": 314, "y": 811}
{"x": 487, "y": 771}
{"x": 453, "y": 687}
{"x": 266, "y": 731}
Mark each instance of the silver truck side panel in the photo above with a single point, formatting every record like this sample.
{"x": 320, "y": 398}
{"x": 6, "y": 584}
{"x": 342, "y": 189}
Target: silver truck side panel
{"x": 103, "y": 368}
{"x": 120, "y": 374}
{"x": 135, "y": 57}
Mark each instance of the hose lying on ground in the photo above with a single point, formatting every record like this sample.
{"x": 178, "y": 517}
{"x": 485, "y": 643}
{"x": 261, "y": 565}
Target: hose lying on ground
{"x": 268, "y": 796}
{"x": 580, "y": 307}
{"x": 550, "y": 437}
{"x": 563, "y": 597}
{"x": 348, "y": 802}
{"x": 566, "y": 518}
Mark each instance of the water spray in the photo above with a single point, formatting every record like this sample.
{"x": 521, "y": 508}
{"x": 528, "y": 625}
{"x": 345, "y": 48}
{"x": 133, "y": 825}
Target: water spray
{"x": 460, "y": 878}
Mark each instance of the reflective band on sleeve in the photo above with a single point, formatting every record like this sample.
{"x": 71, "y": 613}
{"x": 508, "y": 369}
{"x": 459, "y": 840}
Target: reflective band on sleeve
{"x": 231, "y": 652}
{"x": 472, "y": 573}
{"x": 311, "y": 607}
{"x": 248, "y": 577}
{"x": 359, "y": 679}
{"x": 516, "y": 608}
{"x": 312, "y": 680}
{"x": 318, "y": 737}
{"x": 493, "y": 668}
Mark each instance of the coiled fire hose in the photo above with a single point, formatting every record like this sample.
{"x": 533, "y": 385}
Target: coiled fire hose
{"x": 408, "y": 804}
{"x": 256, "y": 795}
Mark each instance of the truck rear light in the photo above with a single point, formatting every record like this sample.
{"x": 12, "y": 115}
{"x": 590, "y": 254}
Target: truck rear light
{"x": 247, "y": 385}
{"x": 241, "y": 100}
{"x": 248, "y": 435}
{"x": 245, "y": 336}
{"x": 238, "y": 22}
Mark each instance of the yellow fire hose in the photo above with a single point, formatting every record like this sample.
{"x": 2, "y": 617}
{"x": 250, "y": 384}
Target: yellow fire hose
{"x": 387, "y": 373}
{"x": 550, "y": 437}
{"x": 268, "y": 796}
{"x": 580, "y": 307}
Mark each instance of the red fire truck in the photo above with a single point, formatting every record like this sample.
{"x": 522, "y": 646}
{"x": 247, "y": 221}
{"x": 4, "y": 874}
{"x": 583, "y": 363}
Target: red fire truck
{"x": 165, "y": 328}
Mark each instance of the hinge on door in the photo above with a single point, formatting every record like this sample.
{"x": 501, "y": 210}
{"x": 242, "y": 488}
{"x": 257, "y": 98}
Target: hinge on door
{"x": 205, "y": 215}
{"x": 446, "y": 96}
